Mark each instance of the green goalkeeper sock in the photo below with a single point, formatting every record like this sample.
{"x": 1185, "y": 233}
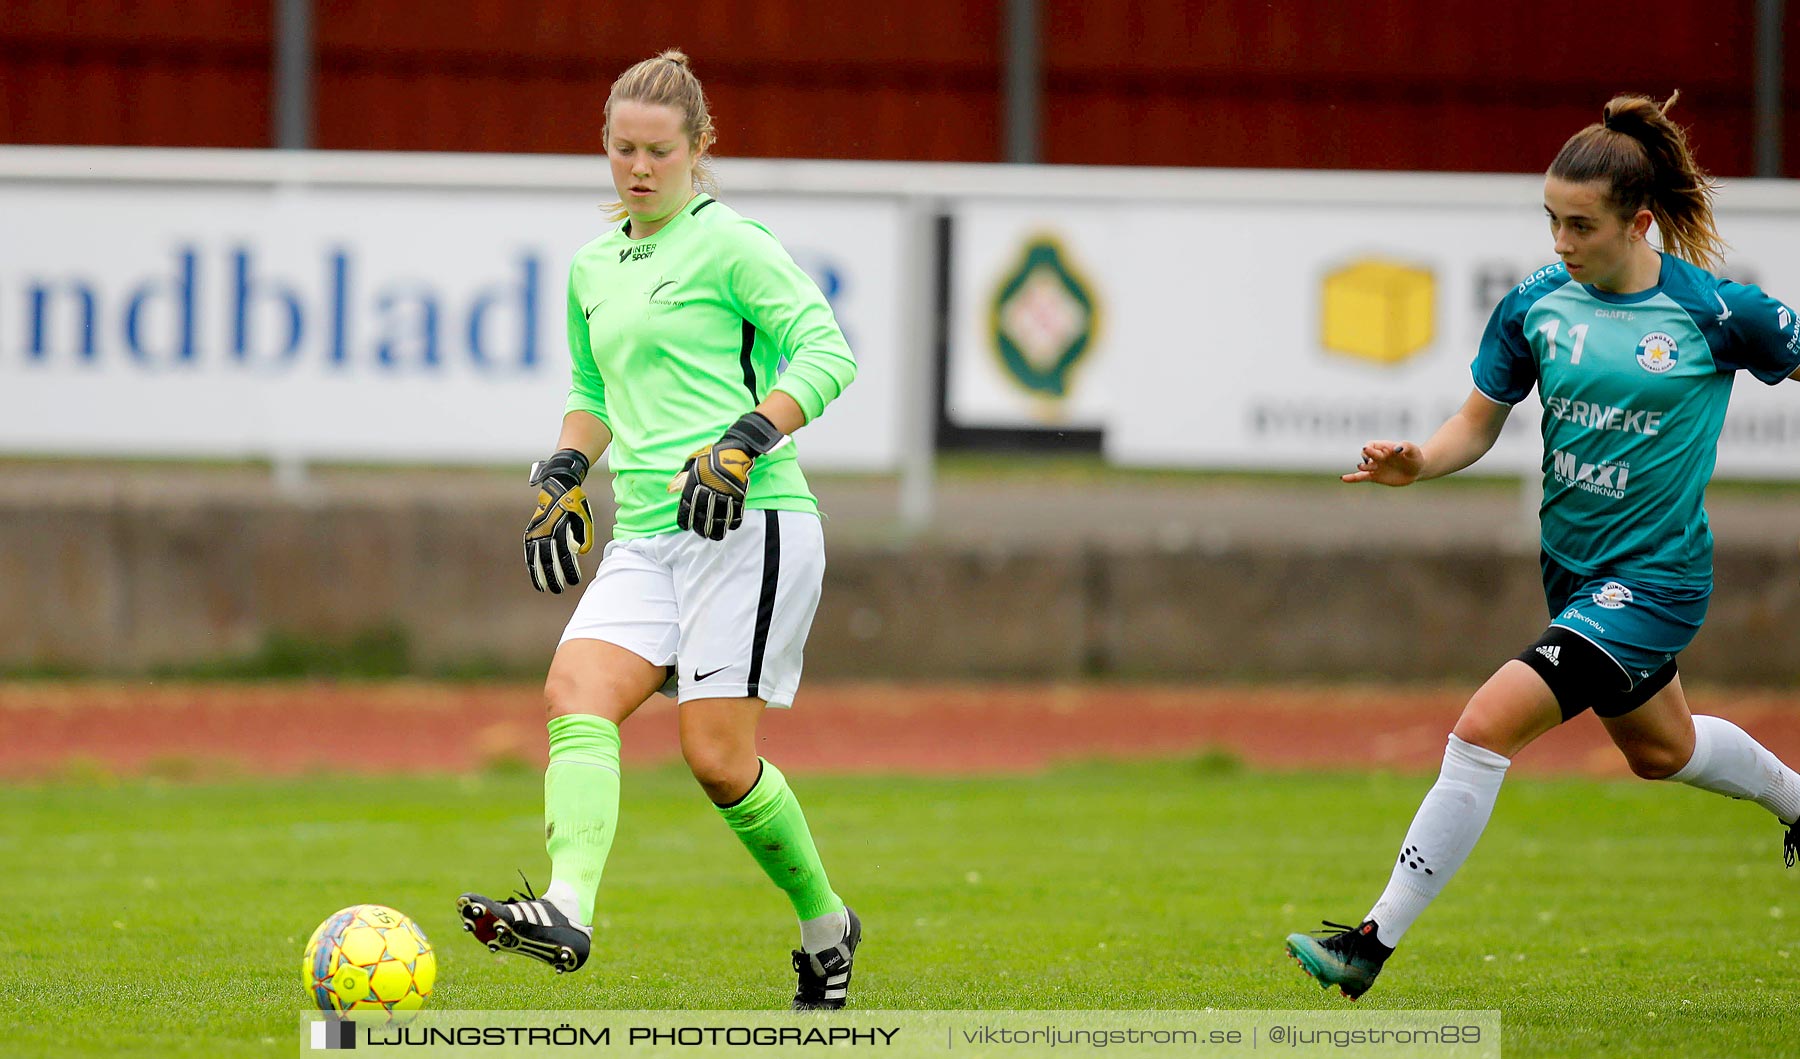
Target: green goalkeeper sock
{"x": 581, "y": 809}
{"x": 769, "y": 823}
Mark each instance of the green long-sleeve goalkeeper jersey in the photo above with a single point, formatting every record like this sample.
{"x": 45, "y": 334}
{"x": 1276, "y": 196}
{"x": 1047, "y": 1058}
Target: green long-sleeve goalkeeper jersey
{"x": 674, "y": 336}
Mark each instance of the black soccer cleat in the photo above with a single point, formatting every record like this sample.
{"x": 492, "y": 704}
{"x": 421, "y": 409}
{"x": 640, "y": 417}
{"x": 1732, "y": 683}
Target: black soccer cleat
{"x": 1790, "y": 844}
{"x": 528, "y": 926}
{"x": 825, "y": 976}
{"x": 1347, "y": 957}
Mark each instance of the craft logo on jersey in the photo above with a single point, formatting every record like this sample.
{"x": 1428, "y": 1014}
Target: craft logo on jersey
{"x": 1043, "y": 319}
{"x": 1612, "y": 595}
{"x": 1603, "y": 479}
{"x": 637, "y": 252}
{"x": 1656, "y": 352}
{"x": 1378, "y": 310}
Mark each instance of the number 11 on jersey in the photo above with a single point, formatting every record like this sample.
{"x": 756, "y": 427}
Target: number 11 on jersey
{"x": 1577, "y": 335}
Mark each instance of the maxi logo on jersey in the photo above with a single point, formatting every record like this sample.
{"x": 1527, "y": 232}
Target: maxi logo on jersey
{"x": 1604, "y": 479}
{"x": 1596, "y": 416}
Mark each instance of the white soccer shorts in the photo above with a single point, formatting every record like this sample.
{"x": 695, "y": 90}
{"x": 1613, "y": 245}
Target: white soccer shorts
{"x": 732, "y": 614}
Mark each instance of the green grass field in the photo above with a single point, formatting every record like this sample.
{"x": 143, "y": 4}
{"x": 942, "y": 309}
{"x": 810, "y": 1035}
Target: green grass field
{"x": 149, "y": 918}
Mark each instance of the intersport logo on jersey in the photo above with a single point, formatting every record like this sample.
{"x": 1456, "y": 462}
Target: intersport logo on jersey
{"x": 1603, "y": 479}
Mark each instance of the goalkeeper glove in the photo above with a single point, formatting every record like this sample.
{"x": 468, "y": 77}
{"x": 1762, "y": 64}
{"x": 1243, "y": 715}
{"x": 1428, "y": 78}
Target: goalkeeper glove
{"x": 562, "y": 527}
{"x": 714, "y": 480}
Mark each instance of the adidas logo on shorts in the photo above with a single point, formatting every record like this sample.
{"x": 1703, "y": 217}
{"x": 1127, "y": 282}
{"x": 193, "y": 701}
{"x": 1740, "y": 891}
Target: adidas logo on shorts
{"x": 1552, "y": 652}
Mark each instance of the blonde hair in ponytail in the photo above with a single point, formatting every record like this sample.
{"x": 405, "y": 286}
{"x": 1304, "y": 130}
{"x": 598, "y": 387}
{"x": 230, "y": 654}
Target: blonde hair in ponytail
{"x": 1645, "y": 159}
{"x": 667, "y": 80}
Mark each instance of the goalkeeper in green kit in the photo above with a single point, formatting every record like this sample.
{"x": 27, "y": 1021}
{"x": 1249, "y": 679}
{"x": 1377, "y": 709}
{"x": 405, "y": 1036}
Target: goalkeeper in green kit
{"x": 680, "y": 321}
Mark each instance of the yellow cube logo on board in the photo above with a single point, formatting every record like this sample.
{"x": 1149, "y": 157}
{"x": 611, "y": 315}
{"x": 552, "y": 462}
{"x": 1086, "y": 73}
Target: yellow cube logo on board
{"x": 1378, "y": 310}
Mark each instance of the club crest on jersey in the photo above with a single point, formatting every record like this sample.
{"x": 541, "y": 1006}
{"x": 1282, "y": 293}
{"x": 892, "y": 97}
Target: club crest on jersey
{"x": 1656, "y": 352}
{"x": 1612, "y": 595}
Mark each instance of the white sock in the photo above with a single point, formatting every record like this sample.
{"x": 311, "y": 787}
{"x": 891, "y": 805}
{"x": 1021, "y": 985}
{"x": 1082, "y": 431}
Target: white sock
{"x": 1450, "y": 819}
{"x": 817, "y": 935}
{"x": 562, "y": 895}
{"x": 1727, "y": 761}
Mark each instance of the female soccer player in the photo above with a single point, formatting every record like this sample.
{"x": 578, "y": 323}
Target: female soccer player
{"x": 1633, "y": 352}
{"x": 679, "y": 320}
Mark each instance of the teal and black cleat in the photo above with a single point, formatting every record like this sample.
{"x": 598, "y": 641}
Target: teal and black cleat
{"x": 1347, "y": 957}
{"x": 825, "y": 976}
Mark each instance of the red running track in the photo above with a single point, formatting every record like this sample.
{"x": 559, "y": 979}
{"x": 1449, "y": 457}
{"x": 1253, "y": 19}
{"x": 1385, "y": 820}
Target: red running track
{"x": 49, "y": 729}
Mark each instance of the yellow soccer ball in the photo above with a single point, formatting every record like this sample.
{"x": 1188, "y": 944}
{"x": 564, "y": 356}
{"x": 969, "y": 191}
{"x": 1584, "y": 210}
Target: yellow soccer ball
{"x": 369, "y": 963}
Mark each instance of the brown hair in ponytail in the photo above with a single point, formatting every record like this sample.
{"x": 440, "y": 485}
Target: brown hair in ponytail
{"x": 1645, "y": 159}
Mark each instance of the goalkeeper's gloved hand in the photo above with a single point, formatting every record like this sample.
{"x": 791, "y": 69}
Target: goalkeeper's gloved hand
{"x": 714, "y": 480}
{"x": 562, "y": 527}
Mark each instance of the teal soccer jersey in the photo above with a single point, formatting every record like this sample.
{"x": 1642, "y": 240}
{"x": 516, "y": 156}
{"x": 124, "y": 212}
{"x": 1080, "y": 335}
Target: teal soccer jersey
{"x": 1634, "y": 389}
{"x": 674, "y": 336}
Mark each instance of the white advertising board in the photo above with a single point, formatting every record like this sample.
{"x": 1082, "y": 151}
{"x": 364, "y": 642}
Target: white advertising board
{"x": 363, "y": 323}
{"x": 1035, "y": 326}
{"x": 323, "y": 305}
{"x": 1268, "y": 334}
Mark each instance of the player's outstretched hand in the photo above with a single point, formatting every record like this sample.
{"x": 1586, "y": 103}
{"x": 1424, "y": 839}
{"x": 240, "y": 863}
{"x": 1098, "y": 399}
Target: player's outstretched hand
{"x": 562, "y": 527}
{"x": 716, "y": 479}
{"x": 1389, "y": 463}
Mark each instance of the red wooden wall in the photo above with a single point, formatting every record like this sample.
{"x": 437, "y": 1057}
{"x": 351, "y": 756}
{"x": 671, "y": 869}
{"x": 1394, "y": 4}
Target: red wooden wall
{"x": 1366, "y": 84}
{"x": 800, "y": 78}
{"x": 1412, "y": 84}
{"x": 188, "y": 74}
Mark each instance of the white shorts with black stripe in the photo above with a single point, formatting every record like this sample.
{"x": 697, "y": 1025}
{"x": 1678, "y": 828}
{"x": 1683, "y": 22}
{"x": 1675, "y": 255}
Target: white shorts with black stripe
{"x": 732, "y": 615}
